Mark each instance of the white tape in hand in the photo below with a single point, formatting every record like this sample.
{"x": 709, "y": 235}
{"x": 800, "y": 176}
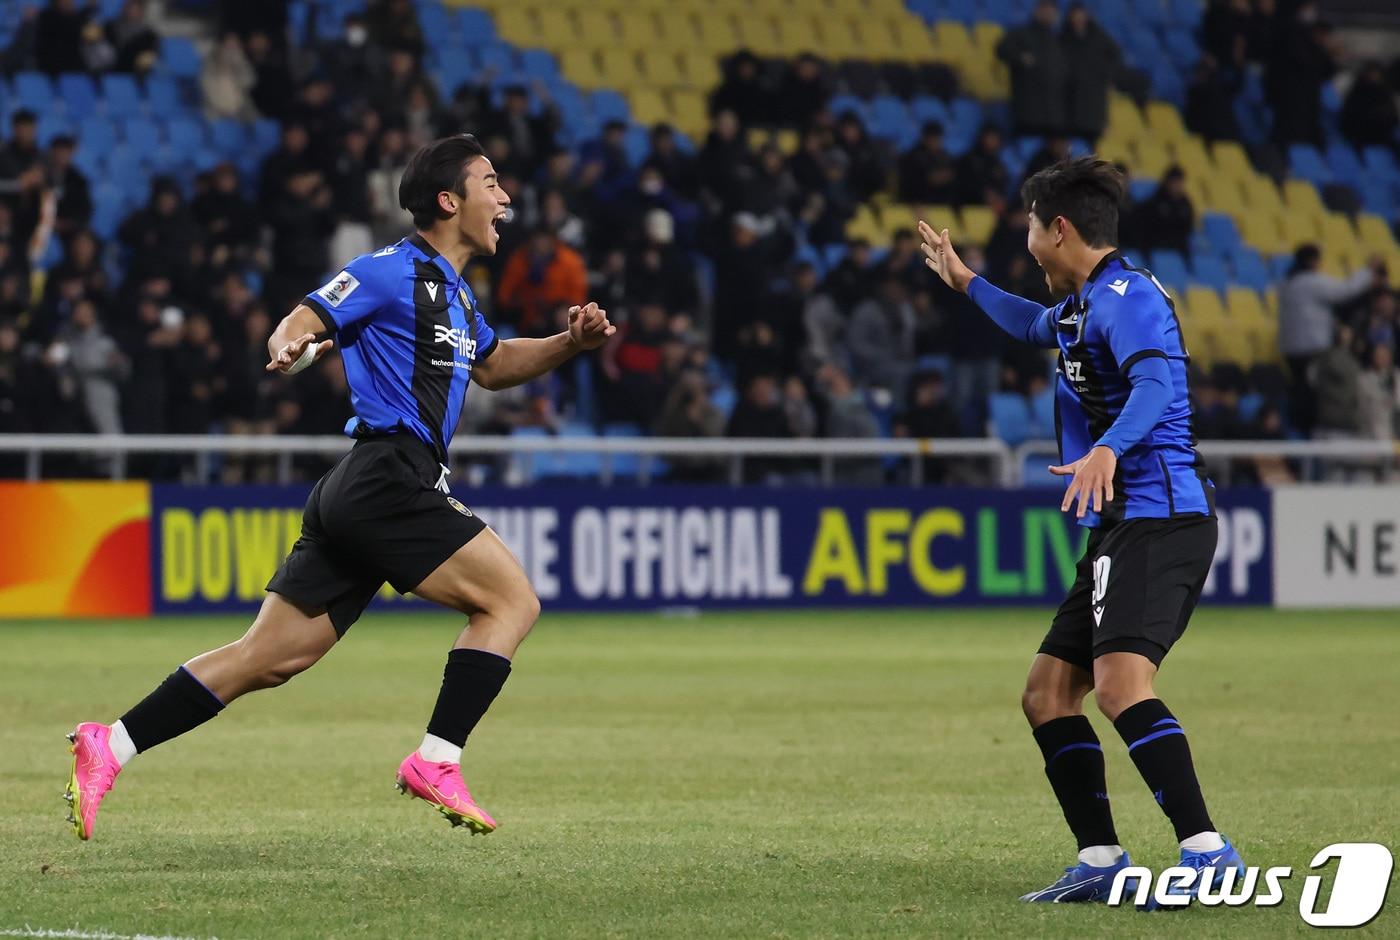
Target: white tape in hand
{"x": 307, "y": 357}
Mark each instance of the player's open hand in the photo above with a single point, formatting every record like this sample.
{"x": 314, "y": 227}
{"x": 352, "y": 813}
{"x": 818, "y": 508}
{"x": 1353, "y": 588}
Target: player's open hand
{"x": 289, "y": 359}
{"x": 943, "y": 260}
{"x": 1093, "y": 480}
{"x": 589, "y": 327}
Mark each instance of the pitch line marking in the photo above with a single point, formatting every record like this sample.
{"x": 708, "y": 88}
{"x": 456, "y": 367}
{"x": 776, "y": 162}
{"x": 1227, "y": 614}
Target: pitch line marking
{"x": 27, "y": 931}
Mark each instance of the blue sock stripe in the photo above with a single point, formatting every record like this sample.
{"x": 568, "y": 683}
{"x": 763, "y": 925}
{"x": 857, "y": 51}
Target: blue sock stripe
{"x": 1147, "y": 739}
{"x": 1166, "y": 721}
{"x": 1077, "y": 746}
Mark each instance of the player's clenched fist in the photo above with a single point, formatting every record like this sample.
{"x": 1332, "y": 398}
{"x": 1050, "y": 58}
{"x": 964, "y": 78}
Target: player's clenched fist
{"x": 589, "y": 327}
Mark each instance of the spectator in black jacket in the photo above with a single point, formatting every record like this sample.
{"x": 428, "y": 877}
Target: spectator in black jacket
{"x": 926, "y": 172}
{"x": 59, "y": 36}
{"x": 136, "y": 44}
{"x": 804, "y": 91}
{"x": 1369, "y": 116}
{"x": 743, "y": 91}
{"x": 70, "y": 187}
{"x": 1092, "y": 59}
{"x": 982, "y": 177}
{"x": 1039, "y": 73}
{"x": 1210, "y": 101}
{"x": 1167, "y": 218}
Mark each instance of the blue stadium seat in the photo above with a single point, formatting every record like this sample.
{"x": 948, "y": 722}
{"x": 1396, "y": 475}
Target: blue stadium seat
{"x": 1250, "y": 269}
{"x": 185, "y": 134}
{"x": 1181, "y": 46}
{"x": 498, "y": 57}
{"x": 1345, "y": 164}
{"x": 97, "y": 135}
{"x": 537, "y": 63}
{"x": 178, "y": 56}
{"x": 79, "y": 93}
{"x": 1010, "y": 417}
{"x": 935, "y": 362}
{"x": 120, "y": 95}
{"x": 1381, "y": 162}
{"x": 475, "y": 25}
{"x": 1210, "y": 270}
{"x": 228, "y": 136}
{"x": 1170, "y": 269}
{"x": 725, "y": 398}
{"x": 1043, "y": 414}
{"x": 163, "y": 94}
{"x": 608, "y": 105}
{"x": 1304, "y": 161}
{"x": 51, "y": 125}
{"x": 840, "y": 104}
{"x": 141, "y": 134}
{"x": 1220, "y": 231}
{"x": 1142, "y": 189}
{"x": 925, "y": 108}
{"x": 34, "y": 91}
{"x": 1187, "y": 12}
{"x": 265, "y": 135}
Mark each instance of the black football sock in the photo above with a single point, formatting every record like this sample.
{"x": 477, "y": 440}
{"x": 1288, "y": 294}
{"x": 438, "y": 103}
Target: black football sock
{"x": 1158, "y": 747}
{"x": 470, "y": 683}
{"x": 181, "y": 703}
{"x": 1074, "y": 764}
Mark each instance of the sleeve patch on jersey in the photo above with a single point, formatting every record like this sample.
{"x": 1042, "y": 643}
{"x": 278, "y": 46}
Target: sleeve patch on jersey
{"x": 340, "y": 287}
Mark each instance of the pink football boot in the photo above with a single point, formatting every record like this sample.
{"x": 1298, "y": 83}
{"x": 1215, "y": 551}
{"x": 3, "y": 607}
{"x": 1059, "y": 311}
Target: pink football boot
{"x": 442, "y": 786}
{"x": 95, "y": 768}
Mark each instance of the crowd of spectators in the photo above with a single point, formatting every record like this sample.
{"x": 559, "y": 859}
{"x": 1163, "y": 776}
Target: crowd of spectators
{"x": 744, "y": 308}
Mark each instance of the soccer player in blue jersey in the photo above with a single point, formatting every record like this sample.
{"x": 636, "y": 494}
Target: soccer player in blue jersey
{"x": 412, "y": 339}
{"x": 1135, "y": 480}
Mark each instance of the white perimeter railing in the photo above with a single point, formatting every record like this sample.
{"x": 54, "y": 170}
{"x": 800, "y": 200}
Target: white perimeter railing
{"x": 114, "y": 451}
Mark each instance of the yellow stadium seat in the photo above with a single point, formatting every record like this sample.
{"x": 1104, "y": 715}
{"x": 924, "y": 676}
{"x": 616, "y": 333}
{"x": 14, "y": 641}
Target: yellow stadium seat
{"x": 1235, "y": 346}
{"x": 1375, "y": 234}
{"x": 1259, "y": 229}
{"x": 554, "y": 28}
{"x": 985, "y": 37}
{"x": 1302, "y": 203}
{"x": 676, "y": 31}
{"x": 1190, "y": 154}
{"x": 975, "y": 224}
{"x": 953, "y": 40}
{"x": 636, "y": 30}
{"x": 661, "y": 68}
{"x": 798, "y": 34}
{"x": 1165, "y": 121}
{"x": 1223, "y": 194}
{"x": 865, "y": 225}
{"x": 759, "y": 35}
{"x": 1261, "y": 193}
{"x": 515, "y": 24}
{"x": 1245, "y": 307}
{"x": 580, "y": 66}
{"x": 700, "y": 68}
{"x": 1150, "y": 160}
{"x": 1231, "y": 160}
{"x": 594, "y": 28}
{"x": 878, "y": 40}
{"x": 688, "y": 112}
{"x": 1124, "y": 118}
{"x": 1339, "y": 239}
{"x": 618, "y": 68}
{"x": 900, "y": 217}
{"x": 1206, "y": 307}
{"x": 840, "y": 38}
{"x": 788, "y": 141}
{"x": 648, "y": 106}
{"x": 715, "y": 32}
{"x": 981, "y": 81}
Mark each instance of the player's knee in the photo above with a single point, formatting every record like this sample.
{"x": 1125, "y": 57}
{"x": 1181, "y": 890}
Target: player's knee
{"x": 1037, "y": 705}
{"x": 1113, "y": 697}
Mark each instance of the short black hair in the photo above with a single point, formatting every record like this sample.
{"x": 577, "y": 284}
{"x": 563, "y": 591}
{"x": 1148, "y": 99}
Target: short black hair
{"x": 440, "y": 166}
{"x": 1086, "y": 190}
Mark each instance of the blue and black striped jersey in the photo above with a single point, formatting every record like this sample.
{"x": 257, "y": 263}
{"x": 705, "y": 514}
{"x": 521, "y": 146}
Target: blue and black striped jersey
{"x": 1122, "y": 316}
{"x": 409, "y": 333}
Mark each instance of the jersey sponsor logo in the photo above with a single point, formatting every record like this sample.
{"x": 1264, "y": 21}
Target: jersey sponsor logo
{"x": 1070, "y": 320}
{"x": 452, "y": 501}
{"x": 457, "y": 339}
{"x": 1102, "y": 565}
{"x": 385, "y": 251}
{"x": 432, "y": 291}
{"x": 1120, "y": 286}
{"x": 1074, "y": 370}
{"x": 340, "y": 287}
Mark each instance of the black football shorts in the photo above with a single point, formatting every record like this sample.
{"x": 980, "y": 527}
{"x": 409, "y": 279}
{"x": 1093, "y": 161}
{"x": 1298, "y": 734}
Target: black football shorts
{"x": 376, "y": 516}
{"x": 1134, "y": 590}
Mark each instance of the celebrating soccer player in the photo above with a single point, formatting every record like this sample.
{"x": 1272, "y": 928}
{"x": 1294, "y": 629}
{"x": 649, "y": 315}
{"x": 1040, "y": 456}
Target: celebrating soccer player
{"x": 1123, "y": 417}
{"x": 411, "y": 338}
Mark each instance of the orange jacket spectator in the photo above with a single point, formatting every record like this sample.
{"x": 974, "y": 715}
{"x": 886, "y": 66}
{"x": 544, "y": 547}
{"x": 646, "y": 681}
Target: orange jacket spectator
{"x": 542, "y": 275}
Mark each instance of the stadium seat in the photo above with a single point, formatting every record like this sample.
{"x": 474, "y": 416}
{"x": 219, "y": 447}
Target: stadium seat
{"x": 1043, "y": 414}
{"x": 1220, "y": 231}
{"x": 79, "y": 93}
{"x": 120, "y": 95}
{"x": 164, "y": 95}
{"x": 474, "y": 25}
{"x": 96, "y": 134}
{"x": 1306, "y": 162}
{"x": 1170, "y": 269}
{"x": 1009, "y": 415}
{"x": 178, "y": 56}
{"x": 141, "y": 134}
{"x": 1249, "y": 269}
{"x": 185, "y": 135}
{"x": 976, "y": 224}
{"x": 33, "y": 90}
{"x": 1210, "y": 270}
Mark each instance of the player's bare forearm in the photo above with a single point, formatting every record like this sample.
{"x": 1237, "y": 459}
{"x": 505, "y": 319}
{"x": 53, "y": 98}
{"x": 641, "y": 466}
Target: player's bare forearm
{"x": 517, "y": 361}
{"x": 293, "y": 336}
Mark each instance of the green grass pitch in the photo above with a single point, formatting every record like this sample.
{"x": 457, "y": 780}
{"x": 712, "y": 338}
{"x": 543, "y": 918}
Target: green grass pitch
{"x": 823, "y": 774}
